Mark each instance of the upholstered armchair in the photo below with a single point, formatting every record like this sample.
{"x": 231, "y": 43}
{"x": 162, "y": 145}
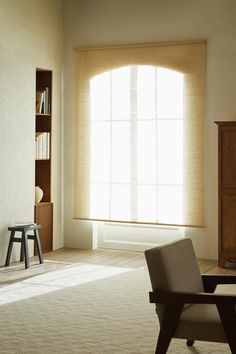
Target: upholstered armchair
{"x": 187, "y": 303}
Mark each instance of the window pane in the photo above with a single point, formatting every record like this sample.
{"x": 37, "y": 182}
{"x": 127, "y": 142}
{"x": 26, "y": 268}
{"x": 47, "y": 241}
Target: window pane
{"x": 170, "y": 152}
{"x": 100, "y": 93}
{"x": 146, "y": 92}
{"x": 120, "y": 202}
{"x": 121, "y": 93}
{"x": 170, "y": 204}
{"x": 147, "y": 204}
{"x": 121, "y": 152}
{"x": 100, "y": 152}
{"x": 99, "y": 201}
{"x": 146, "y": 152}
{"x": 169, "y": 94}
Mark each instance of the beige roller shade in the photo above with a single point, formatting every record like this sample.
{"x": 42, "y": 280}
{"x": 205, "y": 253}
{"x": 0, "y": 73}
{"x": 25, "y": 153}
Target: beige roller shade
{"x": 185, "y": 58}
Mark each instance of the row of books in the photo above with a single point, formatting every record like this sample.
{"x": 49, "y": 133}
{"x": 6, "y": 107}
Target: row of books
{"x": 42, "y": 101}
{"x": 42, "y": 146}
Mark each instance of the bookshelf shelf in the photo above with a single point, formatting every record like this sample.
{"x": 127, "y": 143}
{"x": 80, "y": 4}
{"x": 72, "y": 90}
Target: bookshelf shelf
{"x": 43, "y": 115}
{"x": 42, "y": 159}
{"x": 43, "y": 130}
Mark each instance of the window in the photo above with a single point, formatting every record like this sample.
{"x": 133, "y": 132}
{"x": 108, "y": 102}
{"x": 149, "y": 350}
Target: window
{"x": 137, "y": 145}
{"x": 138, "y": 135}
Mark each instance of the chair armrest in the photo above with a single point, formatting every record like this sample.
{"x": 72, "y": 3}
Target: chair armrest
{"x": 210, "y": 281}
{"x": 190, "y": 298}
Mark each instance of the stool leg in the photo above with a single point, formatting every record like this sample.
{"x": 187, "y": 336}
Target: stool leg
{"x": 38, "y": 244}
{"x": 9, "y": 250}
{"x": 25, "y": 245}
{"x": 22, "y": 253}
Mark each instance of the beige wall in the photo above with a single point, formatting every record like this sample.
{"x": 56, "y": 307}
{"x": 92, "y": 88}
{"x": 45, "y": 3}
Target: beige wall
{"x": 111, "y": 22}
{"x": 30, "y": 37}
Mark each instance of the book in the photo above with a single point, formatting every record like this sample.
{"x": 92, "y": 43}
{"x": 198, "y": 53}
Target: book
{"x": 42, "y": 142}
{"x": 39, "y": 102}
{"x": 43, "y": 100}
{"x": 48, "y": 145}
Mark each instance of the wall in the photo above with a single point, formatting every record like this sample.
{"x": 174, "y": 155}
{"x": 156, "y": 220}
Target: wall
{"x": 31, "y": 36}
{"x": 111, "y": 22}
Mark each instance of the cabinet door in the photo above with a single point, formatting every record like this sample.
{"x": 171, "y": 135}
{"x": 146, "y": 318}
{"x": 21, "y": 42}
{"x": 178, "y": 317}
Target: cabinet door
{"x": 229, "y": 158}
{"x": 229, "y": 223}
{"x": 43, "y": 217}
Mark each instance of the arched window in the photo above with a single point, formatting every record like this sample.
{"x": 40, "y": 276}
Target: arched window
{"x": 139, "y": 134}
{"x": 136, "y": 164}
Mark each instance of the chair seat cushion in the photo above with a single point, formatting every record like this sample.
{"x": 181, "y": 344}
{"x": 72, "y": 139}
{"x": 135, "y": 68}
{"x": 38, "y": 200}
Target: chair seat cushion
{"x": 202, "y": 321}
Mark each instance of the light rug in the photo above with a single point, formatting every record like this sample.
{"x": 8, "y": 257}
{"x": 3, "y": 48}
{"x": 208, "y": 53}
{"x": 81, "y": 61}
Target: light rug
{"x": 103, "y": 310}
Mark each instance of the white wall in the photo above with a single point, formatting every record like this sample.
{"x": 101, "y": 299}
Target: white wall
{"x": 110, "y": 22}
{"x": 30, "y": 37}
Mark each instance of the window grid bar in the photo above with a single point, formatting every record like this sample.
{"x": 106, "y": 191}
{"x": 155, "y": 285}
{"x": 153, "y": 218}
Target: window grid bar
{"x": 110, "y": 176}
{"x": 137, "y": 119}
{"x": 133, "y": 142}
{"x": 139, "y": 184}
{"x": 156, "y": 133}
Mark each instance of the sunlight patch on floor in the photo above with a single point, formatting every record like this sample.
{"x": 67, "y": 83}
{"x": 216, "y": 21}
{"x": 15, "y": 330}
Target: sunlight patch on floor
{"x": 69, "y": 276}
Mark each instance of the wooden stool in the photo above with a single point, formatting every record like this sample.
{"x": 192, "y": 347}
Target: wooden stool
{"x": 24, "y": 254}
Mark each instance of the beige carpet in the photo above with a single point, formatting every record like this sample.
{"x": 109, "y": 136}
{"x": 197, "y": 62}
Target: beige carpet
{"x": 67, "y": 313}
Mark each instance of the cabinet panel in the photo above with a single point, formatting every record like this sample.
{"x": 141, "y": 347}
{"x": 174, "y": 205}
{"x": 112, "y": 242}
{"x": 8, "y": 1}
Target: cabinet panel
{"x": 229, "y": 158}
{"x": 229, "y": 223}
{"x": 44, "y": 217}
{"x": 226, "y": 192}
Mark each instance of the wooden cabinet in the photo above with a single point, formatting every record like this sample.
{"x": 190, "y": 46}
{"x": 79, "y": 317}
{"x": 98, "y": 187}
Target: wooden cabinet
{"x": 43, "y": 130}
{"x": 227, "y": 191}
{"x": 44, "y": 216}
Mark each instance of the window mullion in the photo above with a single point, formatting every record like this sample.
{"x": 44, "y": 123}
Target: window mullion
{"x": 133, "y": 143}
{"x": 110, "y": 177}
{"x": 156, "y": 133}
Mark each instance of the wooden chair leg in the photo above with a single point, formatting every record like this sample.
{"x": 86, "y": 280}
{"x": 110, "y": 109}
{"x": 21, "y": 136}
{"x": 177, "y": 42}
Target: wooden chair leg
{"x": 9, "y": 250}
{"x": 190, "y": 342}
{"x": 168, "y": 326}
{"x": 228, "y": 319}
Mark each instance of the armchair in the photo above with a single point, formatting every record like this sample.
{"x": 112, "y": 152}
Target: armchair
{"x": 186, "y": 304}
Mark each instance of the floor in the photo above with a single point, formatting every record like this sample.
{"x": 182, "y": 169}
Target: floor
{"x": 58, "y": 259}
{"x": 62, "y": 274}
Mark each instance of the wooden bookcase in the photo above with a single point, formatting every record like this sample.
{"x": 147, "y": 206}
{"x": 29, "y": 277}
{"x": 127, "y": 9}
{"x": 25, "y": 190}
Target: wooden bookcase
{"x": 43, "y": 211}
{"x": 226, "y": 191}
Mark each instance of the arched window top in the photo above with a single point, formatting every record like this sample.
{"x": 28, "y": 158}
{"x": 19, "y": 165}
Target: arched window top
{"x": 157, "y": 91}
{"x": 144, "y": 66}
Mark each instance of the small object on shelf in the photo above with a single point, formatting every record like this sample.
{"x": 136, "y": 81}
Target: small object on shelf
{"x": 38, "y": 194}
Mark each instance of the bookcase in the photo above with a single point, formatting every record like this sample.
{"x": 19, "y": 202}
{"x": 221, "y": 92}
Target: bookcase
{"x": 43, "y": 211}
{"x": 227, "y": 191}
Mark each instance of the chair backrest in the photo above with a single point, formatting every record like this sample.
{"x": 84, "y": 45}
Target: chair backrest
{"x": 173, "y": 267}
